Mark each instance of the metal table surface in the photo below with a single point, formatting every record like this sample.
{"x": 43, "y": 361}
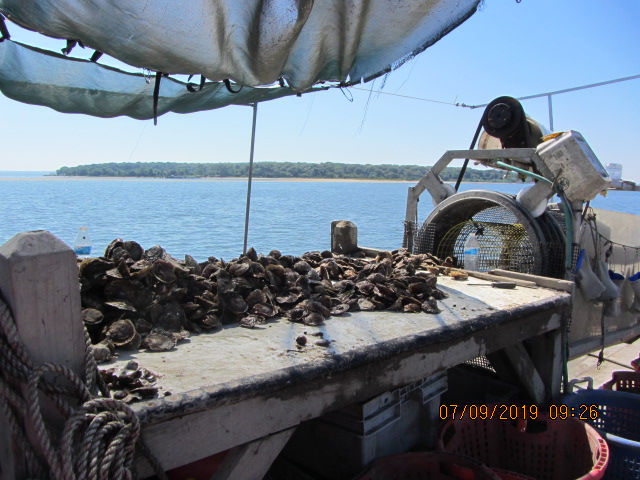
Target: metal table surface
{"x": 237, "y": 385}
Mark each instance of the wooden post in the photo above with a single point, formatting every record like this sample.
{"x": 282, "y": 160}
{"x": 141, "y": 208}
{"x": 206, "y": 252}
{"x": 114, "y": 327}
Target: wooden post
{"x": 39, "y": 283}
{"x": 344, "y": 237}
{"x": 546, "y": 354}
{"x": 252, "y": 460}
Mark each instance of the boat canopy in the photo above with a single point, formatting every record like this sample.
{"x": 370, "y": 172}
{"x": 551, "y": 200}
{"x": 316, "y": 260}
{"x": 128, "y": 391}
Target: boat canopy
{"x": 296, "y": 45}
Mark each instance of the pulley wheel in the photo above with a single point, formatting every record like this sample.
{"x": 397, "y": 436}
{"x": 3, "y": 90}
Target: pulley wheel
{"x": 502, "y": 117}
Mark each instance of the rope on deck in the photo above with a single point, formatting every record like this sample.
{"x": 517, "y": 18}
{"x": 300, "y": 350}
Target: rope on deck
{"x": 99, "y": 436}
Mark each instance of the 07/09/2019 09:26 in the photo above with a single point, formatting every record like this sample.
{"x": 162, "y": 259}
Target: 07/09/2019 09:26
{"x": 517, "y": 412}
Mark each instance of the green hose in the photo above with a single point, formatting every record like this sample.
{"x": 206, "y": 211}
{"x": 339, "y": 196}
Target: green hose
{"x": 568, "y": 222}
{"x": 524, "y": 172}
{"x": 568, "y": 252}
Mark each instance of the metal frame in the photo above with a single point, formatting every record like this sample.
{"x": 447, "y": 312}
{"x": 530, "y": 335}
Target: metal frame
{"x": 439, "y": 191}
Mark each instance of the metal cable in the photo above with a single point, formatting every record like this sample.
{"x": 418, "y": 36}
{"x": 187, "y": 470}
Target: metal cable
{"x": 466, "y": 160}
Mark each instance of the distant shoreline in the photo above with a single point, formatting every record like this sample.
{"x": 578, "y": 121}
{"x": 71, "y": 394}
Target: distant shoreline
{"x": 209, "y": 179}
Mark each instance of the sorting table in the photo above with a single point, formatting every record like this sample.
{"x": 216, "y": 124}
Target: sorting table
{"x": 247, "y": 389}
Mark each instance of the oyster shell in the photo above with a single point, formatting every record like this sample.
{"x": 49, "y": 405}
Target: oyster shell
{"x": 313, "y": 318}
{"x": 121, "y": 332}
{"x": 159, "y": 341}
{"x": 234, "y": 303}
{"x": 148, "y": 296}
{"x": 92, "y": 317}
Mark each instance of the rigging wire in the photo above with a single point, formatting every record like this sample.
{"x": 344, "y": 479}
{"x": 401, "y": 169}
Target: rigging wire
{"x": 380, "y": 92}
{"x": 527, "y": 97}
{"x": 366, "y": 108}
{"x": 606, "y": 241}
{"x": 566, "y": 90}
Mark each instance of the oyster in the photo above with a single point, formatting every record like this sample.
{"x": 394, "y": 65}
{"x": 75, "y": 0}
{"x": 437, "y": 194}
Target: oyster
{"x": 313, "y": 318}
{"x": 101, "y": 352}
{"x": 92, "y": 317}
{"x": 133, "y": 297}
{"x": 159, "y": 340}
{"x": 121, "y": 332}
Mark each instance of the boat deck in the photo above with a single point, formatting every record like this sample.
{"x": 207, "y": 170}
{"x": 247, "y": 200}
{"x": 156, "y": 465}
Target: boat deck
{"x": 616, "y": 358}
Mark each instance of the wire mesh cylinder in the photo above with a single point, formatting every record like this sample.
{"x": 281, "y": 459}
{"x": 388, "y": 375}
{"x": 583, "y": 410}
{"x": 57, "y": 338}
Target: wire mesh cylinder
{"x": 510, "y": 238}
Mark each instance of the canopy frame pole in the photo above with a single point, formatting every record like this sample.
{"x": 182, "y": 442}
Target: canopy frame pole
{"x": 250, "y": 178}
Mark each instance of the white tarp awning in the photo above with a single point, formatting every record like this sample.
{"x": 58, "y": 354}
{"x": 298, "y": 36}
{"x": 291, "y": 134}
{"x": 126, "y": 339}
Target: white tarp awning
{"x": 250, "y": 42}
{"x": 68, "y": 85}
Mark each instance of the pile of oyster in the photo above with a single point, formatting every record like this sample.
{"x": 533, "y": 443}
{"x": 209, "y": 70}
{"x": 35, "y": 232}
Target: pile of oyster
{"x": 134, "y": 298}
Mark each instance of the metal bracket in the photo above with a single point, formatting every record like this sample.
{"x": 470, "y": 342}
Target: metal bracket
{"x": 440, "y": 191}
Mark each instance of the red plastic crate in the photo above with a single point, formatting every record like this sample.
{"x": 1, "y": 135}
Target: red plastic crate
{"x": 200, "y": 469}
{"x": 623, "y": 381}
{"x": 543, "y": 449}
{"x": 505, "y": 475}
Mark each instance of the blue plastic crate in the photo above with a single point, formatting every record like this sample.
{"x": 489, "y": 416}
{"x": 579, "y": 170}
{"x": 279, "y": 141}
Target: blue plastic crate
{"x": 618, "y": 421}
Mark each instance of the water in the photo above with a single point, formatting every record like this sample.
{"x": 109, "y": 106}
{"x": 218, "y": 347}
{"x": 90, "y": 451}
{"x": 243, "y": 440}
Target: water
{"x": 205, "y": 217}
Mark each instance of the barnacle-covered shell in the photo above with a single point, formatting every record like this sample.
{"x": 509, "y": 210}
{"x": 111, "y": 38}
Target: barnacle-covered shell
{"x": 164, "y": 271}
{"x": 295, "y": 314}
{"x": 121, "y": 332}
{"x": 250, "y": 321}
{"x": 430, "y": 306}
{"x": 313, "y": 318}
{"x": 151, "y": 297}
{"x": 92, "y": 317}
{"x": 263, "y": 310}
{"x": 101, "y": 352}
{"x": 340, "y": 309}
{"x": 168, "y": 316}
{"x": 365, "y": 304}
{"x": 419, "y": 288}
{"x": 210, "y": 321}
{"x": 133, "y": 344}
{"x": 234, "y": 303}
{"x": 256, "y": 296}
{"x": 159, "y": 341}
{"x": 91, "y": 268}
{"x": 121, "y": 305}
{"x": 412, "y": 307}
{"x": 239, "y": 269}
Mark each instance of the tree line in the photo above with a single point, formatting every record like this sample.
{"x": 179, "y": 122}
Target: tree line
{"x": 325, "y": 170}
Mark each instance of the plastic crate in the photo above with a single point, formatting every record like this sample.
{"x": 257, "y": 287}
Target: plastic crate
{"x": 619, "y": 422}
{"x": 427, "y": 466}
{"x": 624, "y": 381}
{"x": 544, "y": 449}
{"x": 339, "y": 444}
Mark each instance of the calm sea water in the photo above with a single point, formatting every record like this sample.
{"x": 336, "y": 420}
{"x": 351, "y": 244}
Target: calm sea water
{"x": 205, "y": 218}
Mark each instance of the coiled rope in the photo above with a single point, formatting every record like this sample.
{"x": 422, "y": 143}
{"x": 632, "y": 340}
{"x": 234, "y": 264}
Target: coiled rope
{"x": 99, "y": 437}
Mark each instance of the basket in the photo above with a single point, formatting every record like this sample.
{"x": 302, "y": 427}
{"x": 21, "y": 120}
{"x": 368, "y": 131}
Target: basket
{"x": 544, "y": 449}
{"x": 619, "y": 421}
{"x": 427, "y": 466}
{"x": 624, "y": 381}
{"x": 506, "y": 475}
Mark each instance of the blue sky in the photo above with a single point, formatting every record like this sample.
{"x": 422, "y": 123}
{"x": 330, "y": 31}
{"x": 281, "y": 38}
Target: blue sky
{"x": 506, "y": 48}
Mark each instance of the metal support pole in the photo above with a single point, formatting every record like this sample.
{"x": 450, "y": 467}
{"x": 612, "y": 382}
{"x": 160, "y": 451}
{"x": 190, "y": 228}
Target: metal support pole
{"x": 550, "y": 113}
{"x": 250, "y": 178}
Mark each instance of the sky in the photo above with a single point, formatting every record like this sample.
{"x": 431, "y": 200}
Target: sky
{"x": 506, "y": 48}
